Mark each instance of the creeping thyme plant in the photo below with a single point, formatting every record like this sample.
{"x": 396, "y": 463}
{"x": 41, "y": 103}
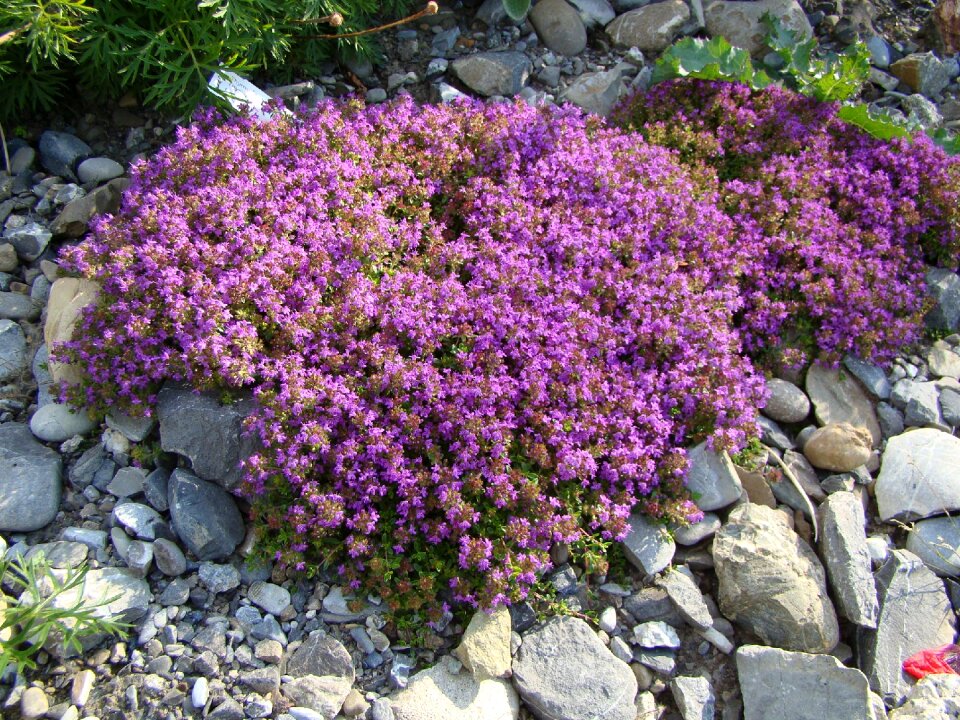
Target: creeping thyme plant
{"x": 473, "y": 332}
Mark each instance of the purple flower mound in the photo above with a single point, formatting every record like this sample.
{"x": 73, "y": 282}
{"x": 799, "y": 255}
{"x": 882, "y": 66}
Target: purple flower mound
{"x": 832, "y": 225}
{"x": 471, "y": 331}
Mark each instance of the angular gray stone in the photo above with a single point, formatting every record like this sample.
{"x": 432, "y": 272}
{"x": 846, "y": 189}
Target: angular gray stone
{"x": 204, "y": 516}
{"x": 595, "y": 92}
{"x": 127, "y": 482}
{"x": 919, "y": 402}
{"x": 99, "y": 170}
{"x": 944, "y": 287}
{"x": 694, "y": 697}
{"x": 141, "y": 520}
{"x": 134, "y": 429}
{"x": 13, "y": 350}
{"x": 740, "y": 22}
{"x": 262, "y": 680}
{"x": 943, "y": 361}
{"x": 206, "y": 432}
{"x": 873, "y": 378}
{"x": 772, "y": 583}
{"x": 890, "y": 419}
{"x": 712, "y": 478}
{"x": 563, "y": 672}
{"x": 924, "y": 73}
{"x": 321, "y": 655}
{"x": 936, "y": 541}
{"x": 61, "y": 554}
{"x": 169, "y": 557}
{"x": 652, "y": 603}
{"x": 773, "y": 435}
{"x": 687, "y": 598}
{"x": 139, "y": 558}
{"x": 219, "y": 578}
{"x": 651, "y": 28}
{"x": 55, "y": 422}
{"x": 656, "y": 634}
{"x": 915, "y": 614}
{"x": 30, "y": 480}
{"x": 950, "y": 406}
{"x": 15, "y": 306}
{"x": 493, "y": 73}
{"x": 935, "y": 697}
{"x": 156, "y": 487}
{"x": 594, "y": 13}
{"x": 786, "y": 402}
{"x": 30, "y": 240}
{"x": 559, "y": 27}
{"x": 692, "y": 534}
{"x": 60, "y": 153}
{"x": 324, "y": 695}
{"x": 73, "y": 220}
{"x": 648, "y": 545}
{"x": 776, "y": 685}
{"x": 843, "y": 547}
{"x": 439, "y": 694}
{"x": 918, "y": 475}
{"x": 272, "y": 598}
{"x": 838, "y": 398}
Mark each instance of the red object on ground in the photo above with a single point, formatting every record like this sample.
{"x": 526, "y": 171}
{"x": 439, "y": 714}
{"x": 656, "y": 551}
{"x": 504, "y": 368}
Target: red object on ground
{"x": 935, "y": 661}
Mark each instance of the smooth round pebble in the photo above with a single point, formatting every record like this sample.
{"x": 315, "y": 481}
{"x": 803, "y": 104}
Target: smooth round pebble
{"x": 33, "y": 703}
{"x": 200, "y": 692}
{"x": 99, "y": 170}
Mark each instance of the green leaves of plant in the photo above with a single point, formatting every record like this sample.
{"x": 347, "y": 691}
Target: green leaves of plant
{"x": 516, "y": 9}
{"x": 714, "y": 59}
{"x": 880, "y": 125}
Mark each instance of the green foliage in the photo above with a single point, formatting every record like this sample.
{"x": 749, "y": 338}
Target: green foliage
{"x": 516, "y": 9}
{"x": 32, "y": 614}
{"x": 801, "y": 65}
{"x": 752, "y": 457}
{"x": 166, "y": 50}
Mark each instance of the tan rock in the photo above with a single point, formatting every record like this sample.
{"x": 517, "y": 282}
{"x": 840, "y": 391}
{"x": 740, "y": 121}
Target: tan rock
{"x": 740, "y": 22}
{"x": 438, "y": 694}
{"x": 559, "y": 27}
{"x": 946, "y": 25}
{"x": 839, "y": 447}
{"x": 8, "y": 258}
{"x": 485, "y": 648}
{"x": 651, "y": 28}
{"x": 68, "y": 296}
{"x": 838, "y": 398}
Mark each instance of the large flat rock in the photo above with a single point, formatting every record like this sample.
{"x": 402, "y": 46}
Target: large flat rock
{"x": 837, "y": 398}
{"x": 918, "y": 475}
{"x": 843, "y": 547}
{"x": 30, "y": 480}
{"x": 204, "y": 516}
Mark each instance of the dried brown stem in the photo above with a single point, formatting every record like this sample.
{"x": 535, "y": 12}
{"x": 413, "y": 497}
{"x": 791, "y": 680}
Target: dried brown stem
{"x": 430, "y": 9}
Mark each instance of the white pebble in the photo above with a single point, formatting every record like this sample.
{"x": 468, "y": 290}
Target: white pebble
{"x": 200, "y": 693}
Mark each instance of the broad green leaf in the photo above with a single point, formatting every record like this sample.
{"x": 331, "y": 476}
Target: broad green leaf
{"x": 877, "y": 124}
{"x": 516, "y": 9}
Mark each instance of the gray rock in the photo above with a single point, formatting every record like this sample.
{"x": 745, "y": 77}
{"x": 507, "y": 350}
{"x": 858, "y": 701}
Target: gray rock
{"x": 652, "y": 603}
{"x": 134, "y": 429}
{"x": 656, "y": 634}
{"x": 922, "y": 111}
{"x": 694, "y": 697}
{"x": 776, "y": 685}
{"x": 127, "y": 482}
{"x": 712, "y": 478}
{"x": 324, "y": 695}
{"x": 944, "y": 287}
{"x": 321, "y": 655}
{"x": 935, "y": 697}
{"x": 73, "y": 220}
{"x": 936, "y": 541}
{"x": 879, "y": 51}
{"x": 890, "y": 419}
{"x": 376, "y": 95}
{"x": 156, "y": 488}
{"x": 595, "y": 92}
{"x": 648, "y": 545}
{"x": 219, "y": 578}
{"x": 915, "y": 614}
{"x": 873, "y": 378}
{"x": 651, "y": 28}
{"x": 950, "y": 406}
{"x": 55, "y": 422}
{"x": 559, "y": 27}
{"x": 773, "y": 435}
{"x": 786, "y": 402}
{"x": 438, "y": 693}
{"x": 662, "y": 662}
{"x": 924, "y": 73}
{"x": 943, "y": 361}
{"x": 262, "y": 680}
{"x": 93, "y": 539}
{"x": 60, "y": 153}
{"x": 594, "y": 13}
{"x": 30, "y": 480}
{"x": 843, "y": 546}
{"x": 208, "y": 433}
{"x": 918, "y": 475}
{"x": 272, "y": 598}
{"x": 493, "y": 73}
{"x": 61, "y": 554}
{"x": 686, "y": 596}
{"x": 562, "y": 671}
{"x": 169, "y": 557}
{"x": 30, "y": 240}
{"x": 139, "y": 558}
{"x": 805, "y": 474}
{"x": 204, "y": 516}
{"x": 99, "y": 170}
{"x": 13, "y": 350}
{"x": 15, "y": 306}
{"x": 229, "y": 709}
{"x": 838, "y": 398}
{"x": 772, "y": 583}
{"x": 919, "y": 402}
{"x": 22, "y": 159}
{"x": 740, "y": 22}
{"x": 140, "y": 520}
{"x": 692, "y": 534}
{"x": 268, "y": 629}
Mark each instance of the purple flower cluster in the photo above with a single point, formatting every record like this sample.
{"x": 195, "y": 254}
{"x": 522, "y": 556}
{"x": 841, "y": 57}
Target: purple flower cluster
{"x": 832, "y": 225}
{"x": 476, "y": 331}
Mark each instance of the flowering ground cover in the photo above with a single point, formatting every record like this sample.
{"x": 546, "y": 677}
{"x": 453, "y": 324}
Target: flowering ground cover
{"x": 475, "y": 331}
